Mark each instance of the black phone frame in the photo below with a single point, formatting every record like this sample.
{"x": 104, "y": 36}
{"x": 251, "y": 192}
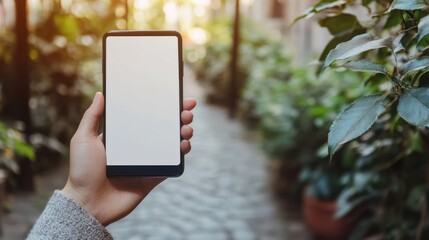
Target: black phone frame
{"x": 144, "y": 170}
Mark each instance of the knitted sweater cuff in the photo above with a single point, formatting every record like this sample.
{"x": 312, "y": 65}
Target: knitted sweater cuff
{"x": 63, "y": 218}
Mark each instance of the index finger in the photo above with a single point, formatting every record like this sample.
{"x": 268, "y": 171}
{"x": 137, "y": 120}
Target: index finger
{"x": 189, "y": 104}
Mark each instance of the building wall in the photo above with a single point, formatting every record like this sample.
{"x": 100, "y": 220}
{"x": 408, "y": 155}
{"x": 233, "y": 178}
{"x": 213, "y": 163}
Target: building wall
{"x": 306, "y": 38}
{"x": 306, "y": 35}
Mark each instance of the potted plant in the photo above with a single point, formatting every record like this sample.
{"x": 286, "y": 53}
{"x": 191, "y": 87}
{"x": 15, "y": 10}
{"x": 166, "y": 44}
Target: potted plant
{"x": 385, "y": 129}
{"x": 319, "y": 200}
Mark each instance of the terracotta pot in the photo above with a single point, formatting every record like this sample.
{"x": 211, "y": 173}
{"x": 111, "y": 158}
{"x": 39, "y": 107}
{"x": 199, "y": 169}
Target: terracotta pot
{"x": 319, "y": 216}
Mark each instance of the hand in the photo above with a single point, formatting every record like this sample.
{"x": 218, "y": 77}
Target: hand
{"x": 108, "y": 200}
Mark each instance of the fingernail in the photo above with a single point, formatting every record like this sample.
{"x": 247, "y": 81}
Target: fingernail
{"x": 96, "y": 97}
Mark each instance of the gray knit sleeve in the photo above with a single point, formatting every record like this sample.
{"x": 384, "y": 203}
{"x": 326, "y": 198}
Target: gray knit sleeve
{"x": 63, "y": 218}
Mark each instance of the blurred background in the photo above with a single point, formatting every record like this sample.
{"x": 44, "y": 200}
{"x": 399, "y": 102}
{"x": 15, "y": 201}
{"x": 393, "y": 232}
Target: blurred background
{"x": 260, "y": 167}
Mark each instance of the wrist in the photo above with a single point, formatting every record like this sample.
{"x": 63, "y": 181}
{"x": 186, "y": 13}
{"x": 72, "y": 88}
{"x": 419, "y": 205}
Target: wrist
{"x": 83, "y": 201}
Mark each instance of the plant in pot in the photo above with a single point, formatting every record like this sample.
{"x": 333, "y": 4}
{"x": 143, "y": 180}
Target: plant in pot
{"x": 319, "y": 197}
{"x": 322, "y": 177}
{"x": 385, "y": 129}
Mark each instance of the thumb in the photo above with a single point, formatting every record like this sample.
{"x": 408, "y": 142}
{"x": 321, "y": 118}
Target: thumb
{"x": 91, "y": 119}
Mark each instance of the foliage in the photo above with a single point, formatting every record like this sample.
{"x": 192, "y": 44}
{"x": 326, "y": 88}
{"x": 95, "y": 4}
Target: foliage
{"x": 288, "y": 104}
{"x": 382, "y": 182}
{"x": 405, "y": 65}
{"x": 355, "y": 119}
{"x": 65, "y": 70}
{"x": 212, "y": 68}
{"x": 12, "y": 144}
{"x": 386, "y": 132}
{"x": 292, "y": 108}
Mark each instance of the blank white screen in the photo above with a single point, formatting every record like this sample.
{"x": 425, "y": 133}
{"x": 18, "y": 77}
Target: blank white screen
{"x": 142, "y": 100}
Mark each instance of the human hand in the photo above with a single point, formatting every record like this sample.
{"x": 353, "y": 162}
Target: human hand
{"x": 109, "y": 199}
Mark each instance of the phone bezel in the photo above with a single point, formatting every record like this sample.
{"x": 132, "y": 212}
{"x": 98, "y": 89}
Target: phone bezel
{"x": 144, "y": 170}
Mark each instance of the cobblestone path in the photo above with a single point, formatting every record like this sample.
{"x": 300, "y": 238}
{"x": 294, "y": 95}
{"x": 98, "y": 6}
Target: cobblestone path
{"x": 223, "y": 193}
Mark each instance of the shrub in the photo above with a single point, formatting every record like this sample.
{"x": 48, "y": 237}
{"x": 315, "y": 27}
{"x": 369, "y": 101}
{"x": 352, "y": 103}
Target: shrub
{"x": 212, "y": 66}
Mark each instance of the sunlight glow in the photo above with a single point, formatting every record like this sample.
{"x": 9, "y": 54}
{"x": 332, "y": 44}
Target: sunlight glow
{"x": 66, "y": 4}
{"x": 216, "y": 4}
{"x": 198, "y": 35}
{"x": 142, "y": 4}
{"x": 79, "y": 10}
{"x": 86, "y": 40}
{"x": 60, "y": 41}
{"x": 138, "y": 16}
{"x": 171, "y": 12}
{"x": 7, "y": 15}
{"x": 121, "y": 24}
{"x": 202, "y": 2}
{"x": 248, "y": 2}
{"x": 120, "y": 11}
{"x": 197, "y": 54}
{"x": 200, "y": 11}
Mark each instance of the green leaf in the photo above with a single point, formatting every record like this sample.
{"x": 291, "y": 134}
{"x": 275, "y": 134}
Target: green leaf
{"x": 355, "y": 120}
{"x": 413, "y": 106}
{"x": 339, "y": 39}
{"x": 347, "y": 207}
{"x": 408, "y": 5}
{"x": 326, "y": 4}
{"x": 355, "y": 194}
{"x": 409, "y": 40}
{"x": 416, "y": 142}
{"x": 340, "y": 24}
{"x": 422, "y": 37}
{"x": 24, "y": 149}
{"x": 414, "y": 66}
{"x": 419, "y": 78}
{"x": 396, "y": 44}
{"x": 357, "y": 45}
{"x": 424, "y": 80}
{"x": 365, "y": 65}
{"x": 366, "y": 2}
{"x": 376, "y": 79}
{"x": 320, "y": 6}
{"x": 343, "y": 202}
{"x": 394, "y": 19}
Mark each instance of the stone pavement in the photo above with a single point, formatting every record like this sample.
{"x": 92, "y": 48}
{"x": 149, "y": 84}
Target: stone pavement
{"x": 223, "y": 194}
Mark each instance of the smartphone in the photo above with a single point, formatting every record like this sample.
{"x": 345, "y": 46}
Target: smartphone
{"x": 142, "y": 85}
